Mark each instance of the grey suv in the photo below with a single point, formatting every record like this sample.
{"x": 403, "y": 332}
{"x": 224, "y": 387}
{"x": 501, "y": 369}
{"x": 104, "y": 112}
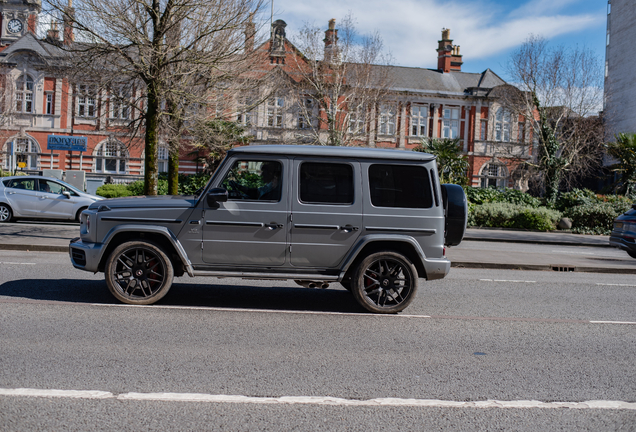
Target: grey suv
{"x": 373, "y": 220}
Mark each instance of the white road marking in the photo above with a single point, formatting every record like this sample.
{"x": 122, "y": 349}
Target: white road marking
{"x": 293, "y": 312}
{"x": 506, "y": 280}
{"x": 620, "y": 285}
{"x": 613, "y": 322}
{"x": 314, "y": 400}
{"x": 357, "y": 315}
{"x": 573, "y": 252}
{"x": 16, "y": 263}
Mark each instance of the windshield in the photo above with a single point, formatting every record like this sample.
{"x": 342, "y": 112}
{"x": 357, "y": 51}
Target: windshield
{"x": 73, "y": 188}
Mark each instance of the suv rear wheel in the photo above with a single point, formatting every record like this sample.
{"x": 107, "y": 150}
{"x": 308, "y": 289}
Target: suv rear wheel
{"x": 384, "y": 282}
{"x": 138, "y": 272}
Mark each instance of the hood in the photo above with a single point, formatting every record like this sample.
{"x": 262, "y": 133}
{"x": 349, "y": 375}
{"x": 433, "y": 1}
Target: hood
{"x": 160, "y": 201}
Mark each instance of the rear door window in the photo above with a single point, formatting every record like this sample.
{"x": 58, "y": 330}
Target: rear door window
{"x": 326, "y": 183}
{"x": 26, "y": 184}
{"x": 404, "y": 186}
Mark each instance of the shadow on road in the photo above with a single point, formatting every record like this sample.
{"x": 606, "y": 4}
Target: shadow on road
{"x": 278, "y": 296}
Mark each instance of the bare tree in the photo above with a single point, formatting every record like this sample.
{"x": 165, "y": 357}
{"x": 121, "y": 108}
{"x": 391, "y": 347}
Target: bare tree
{"x": 170, "y": 49}
{"x": 561, "y": 95}
{"x": 341, "y": 79}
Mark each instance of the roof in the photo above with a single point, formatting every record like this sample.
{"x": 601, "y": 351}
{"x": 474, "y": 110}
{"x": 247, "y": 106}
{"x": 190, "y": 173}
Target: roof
{"x": 330, "y": 151}
{"x": 29, "y": 42}
{"x": 431, "y": 80}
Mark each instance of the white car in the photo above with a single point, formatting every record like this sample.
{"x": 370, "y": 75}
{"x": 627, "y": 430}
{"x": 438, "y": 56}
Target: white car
{"x": 41, "y": 198}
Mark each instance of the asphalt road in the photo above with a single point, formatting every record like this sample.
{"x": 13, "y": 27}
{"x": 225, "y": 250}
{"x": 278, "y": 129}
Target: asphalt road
{"x": 476, "y": 336}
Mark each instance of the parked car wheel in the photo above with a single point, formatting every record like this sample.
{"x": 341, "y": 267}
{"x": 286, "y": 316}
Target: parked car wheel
{"x": 384, "y": 282}
{"x": 139, "y": 273}
{"x": 631, "y": 254}
{"x": 5, "y": 213}
{"x": 79, "y": 214}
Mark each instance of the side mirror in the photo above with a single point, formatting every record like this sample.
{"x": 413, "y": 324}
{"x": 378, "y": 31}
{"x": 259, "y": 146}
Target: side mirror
{"x": 215, "y": 196}
{"x": 67, "y": 194}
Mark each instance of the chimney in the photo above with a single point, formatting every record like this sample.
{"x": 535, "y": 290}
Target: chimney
{"x": 448, "y": 57}
{"x": 331, "y": 40}
{"x": 69, "y": 16}
{"x": 53, "y": 34}
{"x": 250, "y": 30}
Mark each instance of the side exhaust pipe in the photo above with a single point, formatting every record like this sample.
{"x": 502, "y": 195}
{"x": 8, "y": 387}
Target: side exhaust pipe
{"x": 312, "y": 284}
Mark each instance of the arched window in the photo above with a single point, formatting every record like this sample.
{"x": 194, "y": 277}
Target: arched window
{"x": 494, "y": 174}
{"x": 26, "y": 151}
{"x": 110, "y": 157}
{"x": 24, "y": 94}
{"x": 502, "y": 125}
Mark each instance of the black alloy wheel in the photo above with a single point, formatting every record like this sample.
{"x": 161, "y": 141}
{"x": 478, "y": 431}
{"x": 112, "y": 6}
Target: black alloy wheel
{"x": 139, "y": 273}
{"x": 385, "y": 282}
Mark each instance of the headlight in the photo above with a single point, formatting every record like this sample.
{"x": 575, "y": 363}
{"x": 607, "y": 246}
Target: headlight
{"x": 88, "y": 224}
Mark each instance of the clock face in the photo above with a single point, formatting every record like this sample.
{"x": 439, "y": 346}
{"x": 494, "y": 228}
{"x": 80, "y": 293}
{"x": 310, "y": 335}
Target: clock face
{"x": 14, "y": 26}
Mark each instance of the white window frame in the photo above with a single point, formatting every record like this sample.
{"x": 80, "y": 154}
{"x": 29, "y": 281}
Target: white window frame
{"x": 275, "y": 107}
{"x": 245, "y": 116}
{"x": 162, "y": 158}
{"x": 25, "y": 148}
{"x": 86, "y": 101}
{"x": 120, "y": 104}
{"x": 107, "y": 152}
{"x": 419, "y": 120}
{"x": 450, "y": 122}
{"x": 502, "y": 125}
{"x": 50, "y": 103}
{"x": 24, "y": 94}
{"x": 386, "y": 121}
{"x": 496, "y": 173}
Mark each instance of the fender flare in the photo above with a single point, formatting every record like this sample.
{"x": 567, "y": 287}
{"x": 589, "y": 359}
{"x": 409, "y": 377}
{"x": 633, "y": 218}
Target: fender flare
{"x": 374, "y": 238}
{"x": 154, "y": 229}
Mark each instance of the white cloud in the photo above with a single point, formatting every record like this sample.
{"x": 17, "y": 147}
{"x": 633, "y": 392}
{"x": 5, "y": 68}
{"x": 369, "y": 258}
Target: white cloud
{"x": 411, "y": 28}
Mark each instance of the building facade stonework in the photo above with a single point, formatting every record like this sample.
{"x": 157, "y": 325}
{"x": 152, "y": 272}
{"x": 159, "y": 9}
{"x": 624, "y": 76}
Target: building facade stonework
{"x": 420, "y": 104}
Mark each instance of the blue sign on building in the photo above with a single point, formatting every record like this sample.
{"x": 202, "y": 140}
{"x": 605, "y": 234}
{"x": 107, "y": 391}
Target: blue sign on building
{"x": 69, "y": 143}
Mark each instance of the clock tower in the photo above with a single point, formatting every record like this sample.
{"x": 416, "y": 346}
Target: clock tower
{"x": 18, "y": 17}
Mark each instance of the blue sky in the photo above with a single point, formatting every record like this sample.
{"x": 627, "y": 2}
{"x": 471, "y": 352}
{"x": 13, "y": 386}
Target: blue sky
{"x": 486, "y": 30}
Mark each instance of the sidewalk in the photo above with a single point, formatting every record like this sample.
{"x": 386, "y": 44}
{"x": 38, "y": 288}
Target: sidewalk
{"x": 478, "y": 250}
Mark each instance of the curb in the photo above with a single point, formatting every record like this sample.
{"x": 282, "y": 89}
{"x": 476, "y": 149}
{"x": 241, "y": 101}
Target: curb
{"x": 543, "y": 267}
{"x": 33, "y": 248}
{"x": 543, "y": 242}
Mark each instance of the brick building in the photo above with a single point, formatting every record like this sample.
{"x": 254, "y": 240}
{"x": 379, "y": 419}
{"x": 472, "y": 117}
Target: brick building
{"x": 421, "y": 103}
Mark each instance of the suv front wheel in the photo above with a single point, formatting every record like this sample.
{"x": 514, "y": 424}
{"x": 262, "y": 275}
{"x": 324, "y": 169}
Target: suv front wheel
{"x": 384, "y": 282}
{"x": 138, "y": 272}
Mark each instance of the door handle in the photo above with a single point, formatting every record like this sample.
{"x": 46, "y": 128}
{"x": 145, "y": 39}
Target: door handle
{"x": 272, "y": 226}
{"x": 349, "y": 228}
{"x": 11, "y": 193}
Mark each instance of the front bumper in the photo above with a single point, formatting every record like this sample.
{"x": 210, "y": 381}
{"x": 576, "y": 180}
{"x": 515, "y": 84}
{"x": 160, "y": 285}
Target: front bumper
{"x": 619, "y": 241}
{"x": 85, "y": 256}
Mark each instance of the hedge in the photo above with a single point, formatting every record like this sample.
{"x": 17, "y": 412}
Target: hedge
{"x": 595, "y": 218}
{"x": 507, "y": 195}
{"x": 113, "y": 191}
{"x": 506, "y": 215}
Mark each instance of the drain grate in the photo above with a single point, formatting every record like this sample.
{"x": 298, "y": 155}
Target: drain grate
{"x": 563, "y": 268}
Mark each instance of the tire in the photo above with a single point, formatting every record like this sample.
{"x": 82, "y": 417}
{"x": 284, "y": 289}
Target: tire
{"x": 79, "y": 213}
{"x": 138, "y": 273}
{"x": 384, "y": 282}
{"x": 631, "y": 254}
{"x": 6, "y": 214}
